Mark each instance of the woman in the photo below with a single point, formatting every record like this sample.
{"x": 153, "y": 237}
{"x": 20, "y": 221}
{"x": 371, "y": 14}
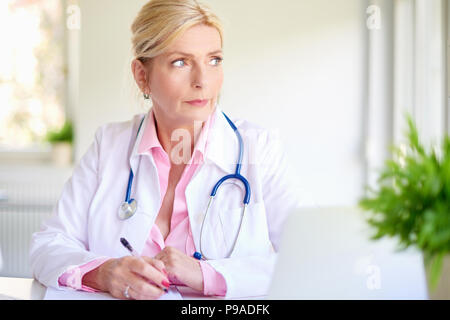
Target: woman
{"x": 177, "y": 153}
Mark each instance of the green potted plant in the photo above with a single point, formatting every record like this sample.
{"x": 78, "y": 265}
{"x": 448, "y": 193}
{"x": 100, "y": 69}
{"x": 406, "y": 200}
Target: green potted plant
{"x": 412, "y": 202}
{"x": 61, "y": 141}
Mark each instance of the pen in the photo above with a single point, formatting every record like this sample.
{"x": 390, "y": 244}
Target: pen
{"x": 133, "y": 252}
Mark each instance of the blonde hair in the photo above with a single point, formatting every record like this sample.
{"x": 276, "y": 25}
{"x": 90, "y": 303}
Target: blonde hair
{"x": 160, "y": 22}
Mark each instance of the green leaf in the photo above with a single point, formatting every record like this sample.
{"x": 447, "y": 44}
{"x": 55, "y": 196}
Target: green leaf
{"x": 411, "y": 200}
{"x": 65, "y": 134}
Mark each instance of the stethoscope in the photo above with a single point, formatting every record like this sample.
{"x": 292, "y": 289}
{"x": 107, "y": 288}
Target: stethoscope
{"x": 128, "y": 208}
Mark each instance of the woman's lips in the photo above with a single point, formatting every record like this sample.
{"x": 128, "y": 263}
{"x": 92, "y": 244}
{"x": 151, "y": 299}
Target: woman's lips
{"x": 198, "y": 103}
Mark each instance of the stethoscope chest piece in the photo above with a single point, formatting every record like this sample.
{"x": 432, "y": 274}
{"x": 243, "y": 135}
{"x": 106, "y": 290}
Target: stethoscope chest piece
{"x": 127, "y": 209}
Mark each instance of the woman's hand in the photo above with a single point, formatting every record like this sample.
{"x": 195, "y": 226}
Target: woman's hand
{"x": 145, "y": 276}
{"x": 182, "y": 267}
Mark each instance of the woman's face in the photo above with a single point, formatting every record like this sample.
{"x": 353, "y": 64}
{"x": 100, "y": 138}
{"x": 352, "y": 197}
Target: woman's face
{"x": 190, "y": 69}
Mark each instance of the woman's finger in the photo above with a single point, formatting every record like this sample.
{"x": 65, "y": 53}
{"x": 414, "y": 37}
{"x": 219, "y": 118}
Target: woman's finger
{"x": 149, "y": 272}
{"x": 140, "y": 289}
{"x": 134, "y": 295}
{"x": 158, "y": 264}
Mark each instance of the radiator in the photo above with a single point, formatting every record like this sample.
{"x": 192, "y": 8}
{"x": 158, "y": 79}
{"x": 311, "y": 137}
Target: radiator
{"x": 17, "y": 224}
{"x": 28, "y": 195}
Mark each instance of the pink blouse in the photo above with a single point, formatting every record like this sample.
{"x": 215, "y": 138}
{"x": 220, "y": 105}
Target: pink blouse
{"x": 180, "y": 234}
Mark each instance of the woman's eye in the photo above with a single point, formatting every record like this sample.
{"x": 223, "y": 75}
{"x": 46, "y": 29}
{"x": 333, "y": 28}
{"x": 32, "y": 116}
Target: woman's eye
{"x": 178, "y": 65}
{"x": 219, "y": 60}
{"x": 181, "y": 63}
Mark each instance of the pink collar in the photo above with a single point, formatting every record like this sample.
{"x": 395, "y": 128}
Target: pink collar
{"x": 150, "y": 138}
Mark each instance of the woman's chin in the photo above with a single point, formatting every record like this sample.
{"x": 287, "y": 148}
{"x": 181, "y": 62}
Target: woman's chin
{"x": 198, "y": 113}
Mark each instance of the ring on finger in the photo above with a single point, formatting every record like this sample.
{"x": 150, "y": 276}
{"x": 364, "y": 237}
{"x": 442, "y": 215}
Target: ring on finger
{"x": 125, "y": 292}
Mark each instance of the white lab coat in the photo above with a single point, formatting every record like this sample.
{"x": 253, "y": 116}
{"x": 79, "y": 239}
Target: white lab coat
{"x": 85, "y": 223}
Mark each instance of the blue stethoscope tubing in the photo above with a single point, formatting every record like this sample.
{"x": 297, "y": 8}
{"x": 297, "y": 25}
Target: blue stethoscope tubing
{"x": 129, "y": 206}
{"x": 237, "y": 175}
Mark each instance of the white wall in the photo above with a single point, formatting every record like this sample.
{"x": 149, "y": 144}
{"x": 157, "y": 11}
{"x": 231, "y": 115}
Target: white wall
{"x": 297, "y": 66}
{"x": 292, "y": 66}
{"x": 105, "y": 71}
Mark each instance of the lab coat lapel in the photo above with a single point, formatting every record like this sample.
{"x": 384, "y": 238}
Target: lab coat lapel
{"x": 223, "y": 145}
{"x": 145, "y": 190}
{"x": 135, "y": 141}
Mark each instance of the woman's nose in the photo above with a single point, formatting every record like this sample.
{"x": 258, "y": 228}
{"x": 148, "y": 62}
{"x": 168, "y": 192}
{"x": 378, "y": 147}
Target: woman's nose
{"x": 199, "y": 77}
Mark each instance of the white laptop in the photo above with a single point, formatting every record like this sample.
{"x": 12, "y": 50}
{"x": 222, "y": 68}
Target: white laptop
{"x": 326, "y": 253}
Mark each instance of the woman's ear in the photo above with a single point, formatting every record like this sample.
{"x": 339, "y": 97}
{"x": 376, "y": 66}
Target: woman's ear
{"x": 141, "y": 75}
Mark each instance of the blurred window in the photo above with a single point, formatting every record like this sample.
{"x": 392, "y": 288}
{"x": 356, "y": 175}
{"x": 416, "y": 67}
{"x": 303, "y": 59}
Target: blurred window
{"x": 32, "y": 71}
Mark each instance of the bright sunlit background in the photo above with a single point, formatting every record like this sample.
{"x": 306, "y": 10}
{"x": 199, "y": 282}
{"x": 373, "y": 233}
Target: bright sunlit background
{"x": 334, "y": 78}
{"x": 32, "y": 71}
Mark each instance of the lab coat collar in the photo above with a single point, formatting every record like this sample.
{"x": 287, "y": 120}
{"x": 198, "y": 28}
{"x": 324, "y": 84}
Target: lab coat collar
{"x": 222, "y": 150}
{"x": 223, "y": 145}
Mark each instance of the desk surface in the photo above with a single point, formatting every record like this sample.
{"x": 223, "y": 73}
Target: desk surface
{"x": 31, "y": 289}
{"x": 21, "y": 288}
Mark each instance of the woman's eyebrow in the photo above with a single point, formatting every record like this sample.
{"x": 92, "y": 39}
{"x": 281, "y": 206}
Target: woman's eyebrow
{"x": 190, "y": 55}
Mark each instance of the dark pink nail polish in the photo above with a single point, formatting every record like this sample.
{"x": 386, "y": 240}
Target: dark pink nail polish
{"x": 165, "y": 283}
